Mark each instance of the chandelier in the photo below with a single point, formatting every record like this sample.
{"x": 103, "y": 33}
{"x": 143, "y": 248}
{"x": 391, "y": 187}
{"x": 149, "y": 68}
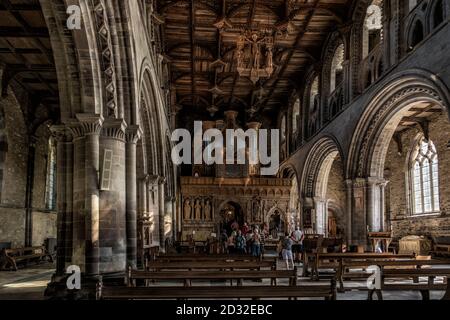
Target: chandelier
{"x": 255, "y": 55}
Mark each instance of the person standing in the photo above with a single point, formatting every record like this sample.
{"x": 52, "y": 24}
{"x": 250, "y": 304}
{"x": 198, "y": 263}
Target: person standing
{"x": 224, "y": 241}
{"x": 287, "y": 250}
{"x": 256, "y": 245}
{"x": 240, "y": 243}
{"x": 298, "y": 237}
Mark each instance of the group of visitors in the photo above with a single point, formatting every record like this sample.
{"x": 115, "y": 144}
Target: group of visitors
{"x": 291, "y": 244}
{"x": 250, "y": 240}
{"x": 245, "y": 240}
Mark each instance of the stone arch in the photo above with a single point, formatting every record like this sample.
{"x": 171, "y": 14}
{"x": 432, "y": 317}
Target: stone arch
{"x": 311, "y": 103}
{"x": 359, "y": 12}
{"x": 376, "y": 129}
{"x": 315, "y": 180}
{"x": 377, "y": 125}
{"x": 416, "y": 33}
{"x": 289, "y": 172}
{"x": 329, "y": 85}
{"x": 151, "y": 121}
{"x": 437, "y": 13}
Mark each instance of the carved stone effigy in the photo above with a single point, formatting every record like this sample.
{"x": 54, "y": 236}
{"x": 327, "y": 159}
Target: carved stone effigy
{"x": 198, "y": 210}
{"x": 187, "y": 209}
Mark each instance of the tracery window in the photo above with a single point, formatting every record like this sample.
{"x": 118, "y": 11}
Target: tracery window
{"x": 425, "y": 178}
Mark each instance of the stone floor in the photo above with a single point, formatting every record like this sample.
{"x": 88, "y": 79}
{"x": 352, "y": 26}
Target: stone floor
{"x": 30, "y": 284}
{"x": 25, "y": 284}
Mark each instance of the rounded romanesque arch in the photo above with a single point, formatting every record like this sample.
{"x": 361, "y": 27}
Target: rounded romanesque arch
{"x": 358, "y": 15}
{"x": 377, "y": 125}
{"x": 330, "y": 84}
{"x": 323, "y": 156}
{"x": 373, "y": 135}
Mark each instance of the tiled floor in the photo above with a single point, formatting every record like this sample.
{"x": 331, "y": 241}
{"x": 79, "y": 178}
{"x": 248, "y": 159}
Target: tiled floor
{"x": 30, "y": 284}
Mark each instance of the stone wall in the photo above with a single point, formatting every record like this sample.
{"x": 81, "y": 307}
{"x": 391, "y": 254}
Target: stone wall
{"x": 403, "y": 223}
{"x": 12, "y": 226}
{"x": 12, "y": 208}
{"x": 44, "y": 226}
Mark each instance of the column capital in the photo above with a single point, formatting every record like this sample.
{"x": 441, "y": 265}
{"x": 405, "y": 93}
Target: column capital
{"x": 91, "y": 124}
{"x": 114, "y": 128}
{"x": 61, "y": 133}
{"x": 153, "y": 179}
{"x": 254, "y": 125}
{"x": 133, "y": 134}
{"x": 359, "y": 183}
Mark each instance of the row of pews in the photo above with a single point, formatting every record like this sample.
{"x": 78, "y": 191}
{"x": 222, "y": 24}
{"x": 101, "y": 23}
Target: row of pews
{"x": 396, "y": 272}
{"x": 176, "y": 277}
{"x": 158, "y": 278}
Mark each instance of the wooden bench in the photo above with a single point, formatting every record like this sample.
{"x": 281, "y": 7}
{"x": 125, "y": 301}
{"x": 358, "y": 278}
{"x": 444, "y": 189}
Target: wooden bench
{"x": 217, "y": 265}
{"x": 10, "y": 258}
{"x": 334, "y": 260}
{"x": 188, "y": 276}
{"x": 199, "y": 257}
{"x": 407, "y": 274}
{"x": 343, "y": 271}
{"x": 326, "y": 291}
{"x": 441, "y": 247}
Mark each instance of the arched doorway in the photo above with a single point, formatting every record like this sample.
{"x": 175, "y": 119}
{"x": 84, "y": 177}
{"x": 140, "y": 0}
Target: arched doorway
{"x": 231, "y": 217}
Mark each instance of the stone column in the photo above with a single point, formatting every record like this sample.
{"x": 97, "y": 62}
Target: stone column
{"x": 174, "y": 218}
{"x": 371, "y": 205}
{"x": 133, "y": 134}
{"x": 169, "y": 214}
{"x": 321, "y": 209}
{"x": 92, "y": 125}
{"x": 59, "y": 134}
{"x": 254, "y": 168}
{"x": 77, "y": 194}
{"x": 153, "y": 203}
{"x": 161, "y": 205}
{"x": 143, "y": 202}
{"x": 68, "y": 190}
{"x": 348, "y": 198}
{"x": 359, "y": 218}
{"x": 385, "y": 220}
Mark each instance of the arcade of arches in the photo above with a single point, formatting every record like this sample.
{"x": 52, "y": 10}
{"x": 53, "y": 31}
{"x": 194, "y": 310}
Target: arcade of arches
{"x": 359, "y": 90}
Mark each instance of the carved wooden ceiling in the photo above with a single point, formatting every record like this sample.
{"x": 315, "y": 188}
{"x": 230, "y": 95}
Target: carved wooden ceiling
{"x": 196, "y": 46}
{"x": 26, "y": 53}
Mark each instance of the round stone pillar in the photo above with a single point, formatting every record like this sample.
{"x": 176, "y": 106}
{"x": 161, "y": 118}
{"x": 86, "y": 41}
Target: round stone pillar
{"x": 133, "y": 134}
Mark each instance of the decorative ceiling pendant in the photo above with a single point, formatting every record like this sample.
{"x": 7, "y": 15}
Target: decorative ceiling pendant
{"x": 257, "y": 61}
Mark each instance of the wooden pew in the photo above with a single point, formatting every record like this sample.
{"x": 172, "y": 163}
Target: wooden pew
{"x": 327, "y": 292}
{"x": 199, "y": 257}
{"x": 384, "y": 264}
{"x": 217, "y": 265}
{"x": 407, "y": 274}
{"x": 10, "y": 258}
{"x": 317, "y": 259}
{"x": 188, "y": 276}
{"x": 441, "y": 247}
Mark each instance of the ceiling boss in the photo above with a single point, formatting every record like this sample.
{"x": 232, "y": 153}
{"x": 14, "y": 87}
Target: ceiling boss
{"x": 255, "y": 55}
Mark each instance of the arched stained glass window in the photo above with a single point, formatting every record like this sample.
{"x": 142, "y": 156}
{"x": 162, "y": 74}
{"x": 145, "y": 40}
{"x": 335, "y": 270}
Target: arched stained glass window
{"x": 425, "y": 178}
